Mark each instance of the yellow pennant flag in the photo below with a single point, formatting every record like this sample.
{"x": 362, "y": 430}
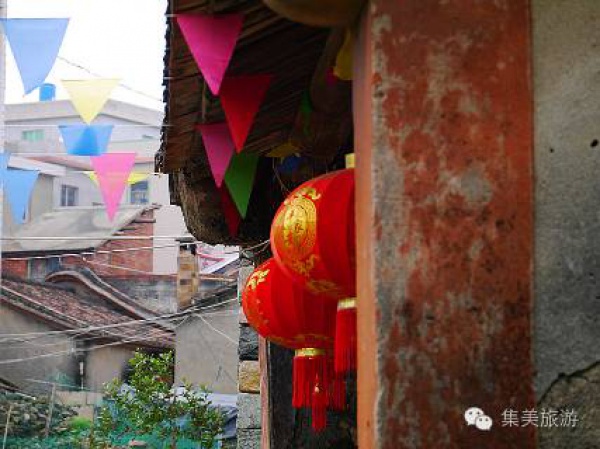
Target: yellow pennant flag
{"x": 90, "y": 96}
{"x": 343, "y": 61}
{"x": 283, "y": 150}
{"x": 134, "y": 178}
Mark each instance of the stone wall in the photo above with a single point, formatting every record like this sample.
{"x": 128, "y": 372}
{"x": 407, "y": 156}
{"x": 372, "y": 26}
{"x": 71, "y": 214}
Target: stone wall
{"x": 157, "y": 293}
{"x": 249, "y": 400}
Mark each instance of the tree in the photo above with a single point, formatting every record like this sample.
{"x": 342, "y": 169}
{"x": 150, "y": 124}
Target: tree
{"x": 149, "y": 404}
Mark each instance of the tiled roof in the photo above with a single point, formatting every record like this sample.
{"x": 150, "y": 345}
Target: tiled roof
{"x": 64, "y": 309}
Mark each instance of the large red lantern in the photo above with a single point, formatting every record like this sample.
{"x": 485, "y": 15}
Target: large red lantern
{"x": 313, "y": 240}
{"x": 286, "y": 314}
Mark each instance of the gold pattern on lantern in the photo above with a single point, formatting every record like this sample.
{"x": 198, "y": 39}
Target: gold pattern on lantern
{"x": 258, "y": 277}
{"x": 299, "y": 225}
{"x": 323, "y": 286}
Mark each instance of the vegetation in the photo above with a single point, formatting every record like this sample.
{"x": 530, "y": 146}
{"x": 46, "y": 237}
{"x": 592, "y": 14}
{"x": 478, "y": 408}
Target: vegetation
{"x": 150, "y": 406}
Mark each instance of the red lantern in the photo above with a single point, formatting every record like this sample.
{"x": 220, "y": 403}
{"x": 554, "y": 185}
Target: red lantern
{"x": 313, "y": 240}
{"x": 288, "y": 315}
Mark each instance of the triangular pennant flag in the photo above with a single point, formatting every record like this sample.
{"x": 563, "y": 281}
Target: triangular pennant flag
{"x": 283, "y": 150}
{"x": 90, "y": 96}
{"x": 232, "y": 216}
{"x": 240, "y": 178}
{"x": 219, "y": 148}
{"x": 35, "y": 44}
{"x": 133, "y": 178}
{"x": 18, "y": 185}
{"x": 86, "y": 140}
{"x": 4, "y": 157}
{"x": 343, "y": 60}
{"x": 211, "y": 40}
{"x": 113, "y": 170}
{"x": 241, "y": 97}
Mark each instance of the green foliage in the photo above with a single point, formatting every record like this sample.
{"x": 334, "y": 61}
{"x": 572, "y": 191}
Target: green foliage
{"x": 154, "y": 407}
{"x": 79, "y": 424}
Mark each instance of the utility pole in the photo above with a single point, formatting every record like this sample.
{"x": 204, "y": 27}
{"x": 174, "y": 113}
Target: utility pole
{"x": 10, "y": 407}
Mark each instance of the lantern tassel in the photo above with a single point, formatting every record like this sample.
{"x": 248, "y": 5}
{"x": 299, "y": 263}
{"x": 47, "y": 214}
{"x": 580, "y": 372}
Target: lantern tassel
{"x": 338, "y": 394}
{"x": 310, "y": 364}
{"x": 319, "y": 407}
{"x": 345, "y": 337}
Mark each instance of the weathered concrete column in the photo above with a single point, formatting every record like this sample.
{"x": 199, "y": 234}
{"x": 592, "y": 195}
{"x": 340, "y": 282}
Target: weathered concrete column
{"x": 443, "y": 120}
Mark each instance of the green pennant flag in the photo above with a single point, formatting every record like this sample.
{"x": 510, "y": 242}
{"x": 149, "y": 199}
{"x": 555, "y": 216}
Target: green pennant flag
{"x": 239, "y": 179}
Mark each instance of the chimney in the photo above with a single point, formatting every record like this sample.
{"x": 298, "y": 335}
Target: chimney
{"x": 187, "y": 273}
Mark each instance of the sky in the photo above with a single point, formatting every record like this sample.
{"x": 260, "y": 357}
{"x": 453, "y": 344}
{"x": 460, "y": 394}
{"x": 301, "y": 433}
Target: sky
{"x": 111, "y": 38}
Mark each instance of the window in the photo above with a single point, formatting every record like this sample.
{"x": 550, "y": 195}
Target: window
{"x": 68, "y": 195}
{"x": 38, "y": 269}
{"x": 33, "y": 135}
{"x": 139, "y": 193}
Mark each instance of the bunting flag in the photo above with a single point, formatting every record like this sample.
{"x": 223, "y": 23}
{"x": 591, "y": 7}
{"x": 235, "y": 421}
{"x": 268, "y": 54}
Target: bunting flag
{"x": 86, "y": 140}
{"x": 232, "y": 216}
{"x": 290, "y": 164}
{"x": 90, "y": 96}
{"x": 219, "y": 148}
{"x": 241, "y": 97}
{"x": 112, "y": 170}
{"x": 4, "y": 157}
{"x": 18, "y": 185}
{"x": 283, "y": 150}
{"x": 35, "y": 44}
{"x": 133, "y": 178}
{"x": 343, "y": 60}
{"x": 240, "y": 178}
{"x": 211, "y": 40}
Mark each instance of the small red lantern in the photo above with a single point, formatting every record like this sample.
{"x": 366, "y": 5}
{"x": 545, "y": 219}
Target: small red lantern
{"x": 285, "y": 314}
{"x": 313, "y": 240}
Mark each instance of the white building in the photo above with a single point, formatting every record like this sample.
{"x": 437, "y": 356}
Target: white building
{"x": 33, "y": 138}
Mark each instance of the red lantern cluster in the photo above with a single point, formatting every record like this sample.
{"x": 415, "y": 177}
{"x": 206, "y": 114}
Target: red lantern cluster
{"x": 304, "y": 298}
{"x": 288, "y": 315}
{"x": 313, "y": 239}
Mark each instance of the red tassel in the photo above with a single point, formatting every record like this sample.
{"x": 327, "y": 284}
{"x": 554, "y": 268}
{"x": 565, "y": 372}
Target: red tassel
{"x": 338, "y": 394}
{"x": 319, "y": 407}
{"x": 310, "y": 364}
{"x": 345, "y": 337}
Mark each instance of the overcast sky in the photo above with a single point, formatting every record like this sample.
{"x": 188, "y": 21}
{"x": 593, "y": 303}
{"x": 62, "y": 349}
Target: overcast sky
{"x": 112, "y": 38}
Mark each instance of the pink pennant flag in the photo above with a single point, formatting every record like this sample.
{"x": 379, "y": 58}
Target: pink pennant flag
{"x": 241, "y": 97}
{"x": 112, "y": 170}
{"x": 211, "y": 39}
{"x": 219, "y": 148}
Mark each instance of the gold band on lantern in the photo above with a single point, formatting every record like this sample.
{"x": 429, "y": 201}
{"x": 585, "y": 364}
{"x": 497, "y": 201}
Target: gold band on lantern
{"x": 309, "y": 352}
{"x": 348, "y": 303}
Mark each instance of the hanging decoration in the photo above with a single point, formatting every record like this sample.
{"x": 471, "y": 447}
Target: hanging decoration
{"x": 286, "y": 314}
{"x": 211, "y": 40}
{"x": 219, "y": 148}
{"x": 133, "y": 178}
{"x": 86, "y": 140}
{"x": 241, "y": 97}
{"x": 35, "y": 44}
{"x": 240, "y": 179}
{"x": 283, "y": 150}
{"x": 4, "y": 158}
{"x": 18, "y": 185}
{"x": 90, "y": 96}
{"x": 343, "y": 60}
{"x": 112, "y": 170}
{"x": 313, "y": 240}
{"x": 232, "y": 216}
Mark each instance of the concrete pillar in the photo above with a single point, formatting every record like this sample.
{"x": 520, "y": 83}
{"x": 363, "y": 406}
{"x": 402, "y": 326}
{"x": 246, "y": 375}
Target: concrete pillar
{"x": 443, "y": 137}
{"x": 566, "y": 57}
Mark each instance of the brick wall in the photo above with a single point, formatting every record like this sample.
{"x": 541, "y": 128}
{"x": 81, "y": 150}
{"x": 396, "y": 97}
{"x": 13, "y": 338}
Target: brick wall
{"x": 141, "y": 260}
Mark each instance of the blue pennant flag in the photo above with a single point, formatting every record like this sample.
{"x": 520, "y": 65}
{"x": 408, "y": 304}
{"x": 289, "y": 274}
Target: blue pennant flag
{"x": 86, "y": 140}
{"x": 35, "y": 44}
{"x": 18, "y": 185}
{"x": 4, "y": 157}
